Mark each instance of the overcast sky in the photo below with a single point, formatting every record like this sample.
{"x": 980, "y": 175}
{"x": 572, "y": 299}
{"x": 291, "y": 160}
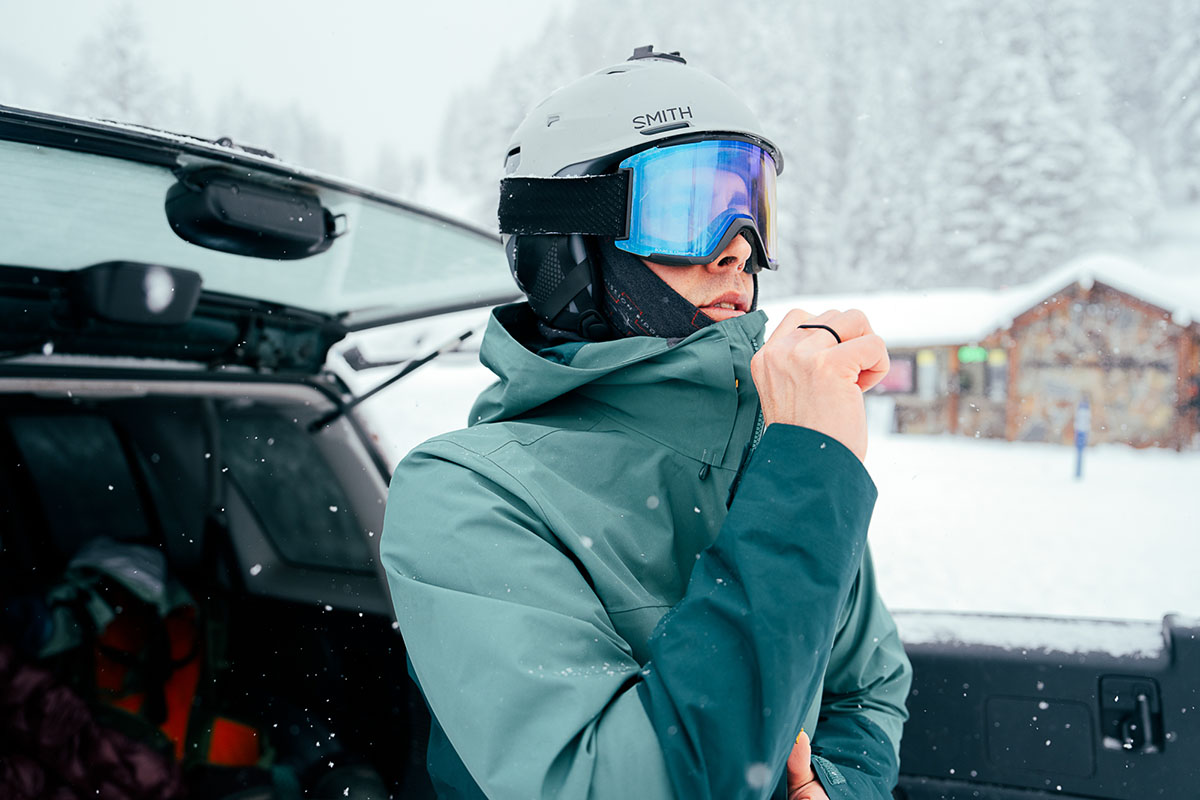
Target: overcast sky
{"x": 375, "y": 71}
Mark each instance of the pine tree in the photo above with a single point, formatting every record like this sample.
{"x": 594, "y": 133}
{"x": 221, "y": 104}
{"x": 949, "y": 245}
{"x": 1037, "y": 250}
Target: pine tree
{"x": 925, "y": 142}
{"x": 113, "y": 77}
{"x": 289, "y": 132}
{"x": 402, "y": 176}
{"x": 1178, "y": 91}
{"x": 1008, "y": 171}
{"x": 480, "y": 121}
{"x": 875, "y": 204}
{"x": 1130, "y": 39}
{"x": 789, "y": 87}
{"x": 1116, "y": 196}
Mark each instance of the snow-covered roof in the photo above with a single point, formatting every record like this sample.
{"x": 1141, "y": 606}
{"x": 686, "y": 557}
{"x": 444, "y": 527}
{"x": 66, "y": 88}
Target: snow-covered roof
{"x": 909, "y": 319}
{"x": 930, "y": 317}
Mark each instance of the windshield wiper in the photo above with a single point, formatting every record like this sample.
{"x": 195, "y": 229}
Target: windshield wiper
{"x": 409, "y": 367}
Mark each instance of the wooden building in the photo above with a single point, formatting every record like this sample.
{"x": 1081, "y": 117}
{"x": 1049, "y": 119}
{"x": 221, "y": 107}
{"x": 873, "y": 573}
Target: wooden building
{"x": 1016, "y": 363}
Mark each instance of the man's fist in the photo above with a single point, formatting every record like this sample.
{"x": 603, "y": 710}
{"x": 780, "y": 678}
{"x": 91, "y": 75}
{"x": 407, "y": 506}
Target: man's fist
{"x": 802, "y": 782}
{"x": 805, "y": 377}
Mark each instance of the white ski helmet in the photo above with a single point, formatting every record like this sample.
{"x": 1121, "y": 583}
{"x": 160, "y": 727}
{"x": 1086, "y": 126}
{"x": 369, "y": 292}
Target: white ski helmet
{"x": 548, "y": 200}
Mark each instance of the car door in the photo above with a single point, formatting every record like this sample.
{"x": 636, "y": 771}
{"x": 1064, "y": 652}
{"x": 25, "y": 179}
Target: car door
{"x": 1051, "y": 707}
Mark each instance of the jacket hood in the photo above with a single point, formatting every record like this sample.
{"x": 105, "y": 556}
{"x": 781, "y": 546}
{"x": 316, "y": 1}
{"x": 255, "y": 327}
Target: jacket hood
{"x": 698, "y": 383}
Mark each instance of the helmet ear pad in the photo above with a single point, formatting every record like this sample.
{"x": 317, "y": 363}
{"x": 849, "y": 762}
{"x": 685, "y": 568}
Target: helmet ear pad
{"x": 559, "y": 275}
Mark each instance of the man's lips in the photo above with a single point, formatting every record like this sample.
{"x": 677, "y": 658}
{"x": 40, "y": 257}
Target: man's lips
{"x": 728, "y": 302}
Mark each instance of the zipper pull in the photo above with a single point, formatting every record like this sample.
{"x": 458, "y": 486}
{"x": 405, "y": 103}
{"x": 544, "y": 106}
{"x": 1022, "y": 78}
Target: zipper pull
{"x": 737, "y": 478}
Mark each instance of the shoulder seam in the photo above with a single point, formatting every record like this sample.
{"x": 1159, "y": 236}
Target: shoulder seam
{"x": 487, "y": 457}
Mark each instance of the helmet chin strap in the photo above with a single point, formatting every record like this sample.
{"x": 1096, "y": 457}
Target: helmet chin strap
{"x": 639, "y": 303}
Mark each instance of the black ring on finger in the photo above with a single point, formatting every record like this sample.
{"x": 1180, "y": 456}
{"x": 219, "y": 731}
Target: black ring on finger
{"x": 824, "y": 328}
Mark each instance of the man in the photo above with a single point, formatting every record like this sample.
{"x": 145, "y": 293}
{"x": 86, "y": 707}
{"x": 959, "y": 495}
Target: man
{"x": 642, "y": 571}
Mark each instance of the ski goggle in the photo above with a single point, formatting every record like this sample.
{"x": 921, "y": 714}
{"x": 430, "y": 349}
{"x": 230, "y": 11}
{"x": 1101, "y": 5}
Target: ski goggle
{"x": 688, "y": 201}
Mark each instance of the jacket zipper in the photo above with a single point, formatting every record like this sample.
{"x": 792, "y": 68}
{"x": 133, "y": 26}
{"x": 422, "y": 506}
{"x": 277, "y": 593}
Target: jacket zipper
{"x": 759, "y": 426}
{"x": 758, "y": 419}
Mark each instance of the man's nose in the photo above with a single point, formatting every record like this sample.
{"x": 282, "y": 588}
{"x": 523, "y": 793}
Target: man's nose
{"x": 733, "y": 257}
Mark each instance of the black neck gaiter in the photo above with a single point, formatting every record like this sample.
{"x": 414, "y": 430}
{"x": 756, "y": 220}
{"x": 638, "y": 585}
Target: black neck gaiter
{"x": 639, "y": 303}
{"x": 635, "y": 302}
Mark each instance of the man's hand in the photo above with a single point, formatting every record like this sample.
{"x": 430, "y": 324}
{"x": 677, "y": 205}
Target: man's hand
{"x": 804, "y": 377}
{"x": 802, "y": 781}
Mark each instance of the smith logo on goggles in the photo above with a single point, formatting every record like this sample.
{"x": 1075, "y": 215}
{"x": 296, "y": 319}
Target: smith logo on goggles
{"x": 677, "y": 204}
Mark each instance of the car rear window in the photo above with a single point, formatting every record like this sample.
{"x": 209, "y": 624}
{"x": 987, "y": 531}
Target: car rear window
{"x": 297, "y": 498}
{"x": 67, "y": 210}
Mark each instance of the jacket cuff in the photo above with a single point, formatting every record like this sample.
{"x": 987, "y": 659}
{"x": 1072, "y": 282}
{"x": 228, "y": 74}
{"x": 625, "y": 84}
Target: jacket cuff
{"x": 842, "y": 784}
{"x": 784, "y": 437}
{"x": 832, "y": 779}
{"x": 866, "y": 768}
{"x": 810, "y": 458}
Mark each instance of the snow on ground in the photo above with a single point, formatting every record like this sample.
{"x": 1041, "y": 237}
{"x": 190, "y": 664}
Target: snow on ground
{"x": 1127, "y": 639}
{"x": 993, "y": 526}
{"x": 961, "y": 524}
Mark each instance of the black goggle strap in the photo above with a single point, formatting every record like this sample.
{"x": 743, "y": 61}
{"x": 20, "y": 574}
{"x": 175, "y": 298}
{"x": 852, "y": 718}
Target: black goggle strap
{"x": 594, "y": 205}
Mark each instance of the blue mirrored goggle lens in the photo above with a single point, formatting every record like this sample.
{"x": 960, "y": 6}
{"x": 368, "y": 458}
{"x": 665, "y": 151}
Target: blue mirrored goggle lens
{"x": 685, "y": 198}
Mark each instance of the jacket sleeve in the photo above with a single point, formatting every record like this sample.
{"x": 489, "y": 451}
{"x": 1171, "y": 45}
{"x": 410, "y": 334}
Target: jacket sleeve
{"x": 856, "y": 747}
{"x": 537, "y": 693}
{"x": 763, "y": 605}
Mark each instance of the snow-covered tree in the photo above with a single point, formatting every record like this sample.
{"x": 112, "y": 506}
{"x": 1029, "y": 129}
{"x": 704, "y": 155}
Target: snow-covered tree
{"x": 925, "y": 142}
{"x": 401, "y": 176}
{"x": 1178, "y": 91}
{"x": 290, "y": 132}
{"x": 1006, "y": 177}
{"x": 480, "y": 121}
{"x": 113, "y": 76}
{"x": 795, "y": 102}
{"x": 1130, "y": 39}
{"x": 875, "y": 123}
{"x": 1116, "y": 194}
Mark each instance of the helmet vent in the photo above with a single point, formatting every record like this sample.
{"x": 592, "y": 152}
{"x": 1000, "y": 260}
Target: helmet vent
{"x": 670, "y": 126}
{"x": 512, "y": 160}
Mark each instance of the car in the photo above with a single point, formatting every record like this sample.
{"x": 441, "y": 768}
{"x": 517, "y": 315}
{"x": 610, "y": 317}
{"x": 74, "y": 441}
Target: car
{"x": 167, "y": 310}
{"x": 210, "y": 361}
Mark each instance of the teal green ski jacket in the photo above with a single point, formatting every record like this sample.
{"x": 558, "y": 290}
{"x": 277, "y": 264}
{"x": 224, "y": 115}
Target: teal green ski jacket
{"x": 615, "y": 584}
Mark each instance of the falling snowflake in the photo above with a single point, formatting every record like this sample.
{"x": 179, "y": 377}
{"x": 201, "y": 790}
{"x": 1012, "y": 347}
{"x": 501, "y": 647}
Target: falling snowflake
{"x": 758, "y": 775}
